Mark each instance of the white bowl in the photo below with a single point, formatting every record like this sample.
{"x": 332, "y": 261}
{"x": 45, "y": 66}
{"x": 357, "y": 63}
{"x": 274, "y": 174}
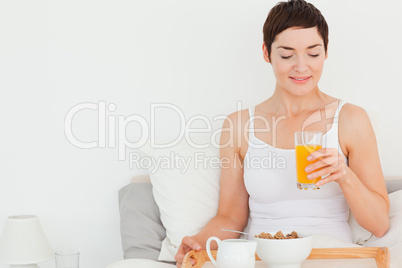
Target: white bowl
{"x": 284, "y": 253}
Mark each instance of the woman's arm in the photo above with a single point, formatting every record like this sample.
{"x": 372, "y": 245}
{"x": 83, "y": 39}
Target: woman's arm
{"x": 362, "y": 182}
{"x": 364, "y": 186}
{"x": 233, "y": 201}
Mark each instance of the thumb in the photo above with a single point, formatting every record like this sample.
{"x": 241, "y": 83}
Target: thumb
{"x": 191, "y": 243}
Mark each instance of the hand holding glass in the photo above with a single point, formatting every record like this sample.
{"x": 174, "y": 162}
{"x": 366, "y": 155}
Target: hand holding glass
{"x": 306, "y": 142}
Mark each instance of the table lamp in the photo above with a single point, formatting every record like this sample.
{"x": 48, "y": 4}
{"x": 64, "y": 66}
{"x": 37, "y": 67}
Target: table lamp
{"x": 23, "y": 242}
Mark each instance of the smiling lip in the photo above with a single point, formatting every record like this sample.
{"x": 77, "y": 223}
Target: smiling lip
{"x": 300, "y": 80}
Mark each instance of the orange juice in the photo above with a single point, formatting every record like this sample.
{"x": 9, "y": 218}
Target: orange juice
{"x": 302, "y": 151}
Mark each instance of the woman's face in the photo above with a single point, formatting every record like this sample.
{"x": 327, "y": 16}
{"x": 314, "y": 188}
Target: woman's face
{"x": 297, "y": 59}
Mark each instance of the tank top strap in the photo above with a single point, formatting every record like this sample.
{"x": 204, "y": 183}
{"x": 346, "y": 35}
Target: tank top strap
{"x": 338, "y": 110}
{"x": 336, "y": 116}
{"x": 332, "y": 137}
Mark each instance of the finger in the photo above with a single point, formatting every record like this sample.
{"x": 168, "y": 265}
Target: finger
{"x": 335, "y": 161}
{"x": 322, "y": 153}
{"x": 332, "y": 177}
{"x": 178, "y": 264}
{"x": 331, "y": 161}
{"x": 179, "y": 254}
{"x": 321, "y": 172}
{"x": 189, "y": 241}
{"x": 189, "y": 258}
{"x": 179, "y": 257}
{"x": 317, "y": 154}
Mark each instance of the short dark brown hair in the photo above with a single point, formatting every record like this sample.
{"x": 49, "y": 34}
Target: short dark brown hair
{"x": 294, "y": 13}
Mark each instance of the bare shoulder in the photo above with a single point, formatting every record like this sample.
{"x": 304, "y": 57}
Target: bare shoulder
{"x": 355, "y": 126}
{"x": 239, "y": 116}
{"x": 354, "y": 119}
{"x": 235, "y": 124}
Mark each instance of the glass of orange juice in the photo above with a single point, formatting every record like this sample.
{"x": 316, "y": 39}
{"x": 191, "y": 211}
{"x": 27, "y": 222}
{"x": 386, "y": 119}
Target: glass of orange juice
{"x": 306, "y": 142}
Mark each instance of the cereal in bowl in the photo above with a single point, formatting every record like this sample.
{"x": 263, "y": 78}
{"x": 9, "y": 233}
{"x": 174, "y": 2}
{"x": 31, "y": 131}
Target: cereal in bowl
{"x": 278, "y": 235}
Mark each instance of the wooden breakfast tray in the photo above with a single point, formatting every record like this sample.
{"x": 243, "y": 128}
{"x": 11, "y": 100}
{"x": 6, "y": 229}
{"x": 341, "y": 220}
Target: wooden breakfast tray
{"x": 381, "y": 255}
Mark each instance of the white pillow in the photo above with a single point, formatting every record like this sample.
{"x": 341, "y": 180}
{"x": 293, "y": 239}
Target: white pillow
{"x": 359, "y": 234}
{"x": 188, "y": 198}
{"x": 393, "y": 238}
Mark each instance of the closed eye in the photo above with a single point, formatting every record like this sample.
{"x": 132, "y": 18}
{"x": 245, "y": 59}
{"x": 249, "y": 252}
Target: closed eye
{"x": 283, "y": 57}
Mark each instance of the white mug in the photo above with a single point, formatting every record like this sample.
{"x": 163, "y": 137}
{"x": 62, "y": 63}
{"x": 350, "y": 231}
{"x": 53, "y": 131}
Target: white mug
{"x": 233, "y": 253}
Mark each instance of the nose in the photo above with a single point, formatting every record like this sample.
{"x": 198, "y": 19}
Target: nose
{"x": 301, "y": 65}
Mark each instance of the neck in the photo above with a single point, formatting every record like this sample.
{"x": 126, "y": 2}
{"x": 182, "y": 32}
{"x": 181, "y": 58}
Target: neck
{"x": 286, "y": 103}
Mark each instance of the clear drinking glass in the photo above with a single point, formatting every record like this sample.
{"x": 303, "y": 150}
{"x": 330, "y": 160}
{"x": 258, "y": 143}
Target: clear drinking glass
{"x": 306, "y": 142}
{"x": 67, "y": 259}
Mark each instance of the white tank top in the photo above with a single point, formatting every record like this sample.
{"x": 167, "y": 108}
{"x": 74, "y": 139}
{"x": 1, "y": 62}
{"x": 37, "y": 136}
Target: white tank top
{"x": 276, "y": 203}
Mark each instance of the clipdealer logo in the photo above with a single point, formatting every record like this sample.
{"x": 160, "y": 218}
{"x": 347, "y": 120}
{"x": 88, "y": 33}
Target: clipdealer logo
{"x": 112, "y": 128}
{"x": 112, "y": 133}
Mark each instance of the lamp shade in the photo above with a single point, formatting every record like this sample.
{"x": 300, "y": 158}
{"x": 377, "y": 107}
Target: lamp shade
{"x": 24, "y": 242}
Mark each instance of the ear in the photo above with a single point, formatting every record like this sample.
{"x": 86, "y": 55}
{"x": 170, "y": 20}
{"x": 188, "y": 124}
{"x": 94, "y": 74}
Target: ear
{"x": 265, "y": 53}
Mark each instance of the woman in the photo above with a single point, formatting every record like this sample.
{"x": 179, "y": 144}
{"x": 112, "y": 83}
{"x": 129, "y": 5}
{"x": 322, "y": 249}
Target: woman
{"x": 295, "y": 44}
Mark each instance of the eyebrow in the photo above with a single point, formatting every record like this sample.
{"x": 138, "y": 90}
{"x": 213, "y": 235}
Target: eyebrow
{"x": 291, "y": 48}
